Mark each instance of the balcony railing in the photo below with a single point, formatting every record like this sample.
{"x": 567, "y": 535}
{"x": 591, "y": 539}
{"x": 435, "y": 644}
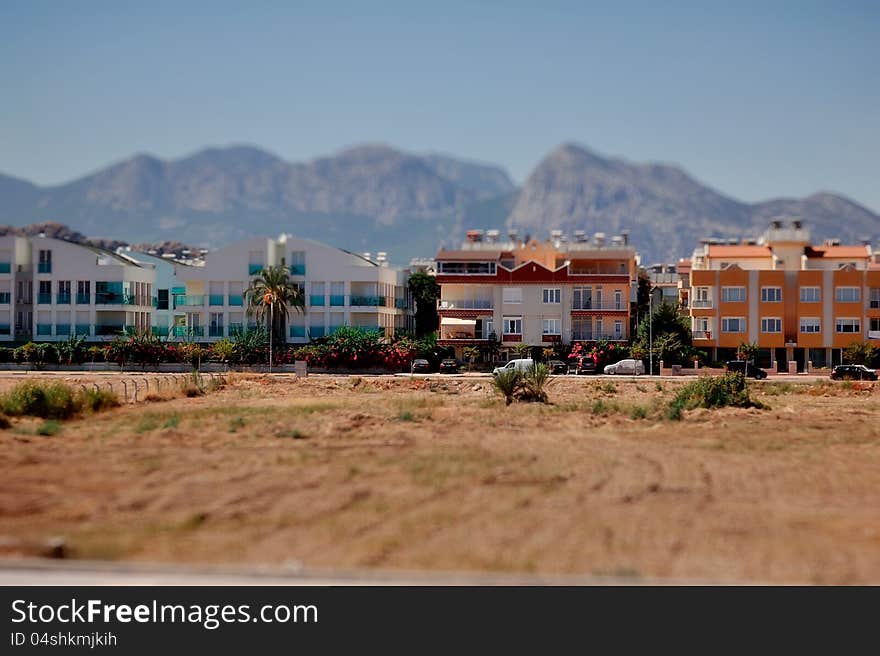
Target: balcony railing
{"x": 215, "y": 299}
{"x": 5, "y": 267}
{"x": 188, "y": 331}
{"x": 215, "y": 331}
{"x": 368, "y": 301}
{"x": 62, "y": 299}
{"x": 189, "y": 301}
{"x": 316, "y": 299}
{"x": 254, "y": 269}
{"x": 316, "y": 331}
{"x": 83, "y": 329}
{"x": 705, "y": 303}
{"x": 5, "y": 329}
{"x": 113, "y": 298}
{"x": 466, "y": 304}
{"x": 44, "y": 267}
{"x": 607, "y": 305}
{"x": 159, "y": 331}
{"x": 5, "y": 298}
{"x": 702, "y": 334}
{"x": 44, "y": 298}
{"x": 62, "y": 328}
{"x": 337, "y": 300}
{"x": 297, "y": 269}
{"x": 297, "y": 331}
{"x": 400, "y": 303}
{"x": 83, "y": 299}
{"x": 235, "y": 300}
{"x": 581, "y": 336}
{"x": 44, "y": 328}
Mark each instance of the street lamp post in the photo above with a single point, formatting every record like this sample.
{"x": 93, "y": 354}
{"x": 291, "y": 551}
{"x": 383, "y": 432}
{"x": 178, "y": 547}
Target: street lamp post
{"x": 650, "y": 330}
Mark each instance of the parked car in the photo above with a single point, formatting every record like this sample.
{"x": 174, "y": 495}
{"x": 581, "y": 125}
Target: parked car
{"x": 557, "y": 367}
{"x": 449, "y": 366}
{"x": 747, "y": 369}
{"x": 853, "y": 372}
{"x": 420, "y": 366}
{"x": 520, "y": 364}
{"x": 583, "y": 364}
{"x": 626, "y": 367}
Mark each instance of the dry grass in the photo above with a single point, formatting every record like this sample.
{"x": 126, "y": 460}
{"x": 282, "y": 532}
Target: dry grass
{"x": 439, "y": 474}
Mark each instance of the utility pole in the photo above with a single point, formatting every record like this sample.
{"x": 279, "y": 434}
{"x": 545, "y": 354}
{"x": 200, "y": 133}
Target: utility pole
{"x": 651, "y": 330}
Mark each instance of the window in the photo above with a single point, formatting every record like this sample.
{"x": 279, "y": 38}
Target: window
{"x": 771, "y": 325}
{"x": 849, "y": 325}
{"x": 733, "y": 324}
{"x": 599, "y": 333}
{"x": 618, "y": 300}
{"x": 63, "y": 292}
{"x": 582, "y": 329}
{"x": 298, "y": 263}
{"x": 511, "y": 295}
{"x": 45, "y": 263}
{"x": 875, "y": 324}
{"x": 467, "y": 268}
{"x": 875, "y": 298}
{"x": 582, "y": 298}
{"x": 552, "y": 295}
{"x": 847, "y": 295}
{"x": 44, "y": 291}
{"x": 513, "y": 325}
{"x": 618, "y": 329}
{"x": 771, "y": 294}
{"x": 162, "y": 299}
{"x": 702, "y": 298}
{"x": 488, "y": 328}
{"x": 552, "y": 327}
{"x": 811, "y": 295}
{"x": 811, "y": 325}
{"x": 733, "y": 294}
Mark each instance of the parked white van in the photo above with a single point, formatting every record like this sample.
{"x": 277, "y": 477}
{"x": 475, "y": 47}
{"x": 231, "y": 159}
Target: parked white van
{"x": 520, "y": 365}
{"x": 624, "y": 367}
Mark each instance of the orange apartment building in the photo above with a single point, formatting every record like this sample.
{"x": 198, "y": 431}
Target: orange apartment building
{"x": 800, "y": 302}
{"x": 536, "y": 292}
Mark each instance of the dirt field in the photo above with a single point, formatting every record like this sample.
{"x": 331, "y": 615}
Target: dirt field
{"x": 440, "y": 475}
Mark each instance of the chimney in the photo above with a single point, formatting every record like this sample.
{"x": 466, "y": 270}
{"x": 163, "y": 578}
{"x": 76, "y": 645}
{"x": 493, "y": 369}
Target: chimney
{"x": 625, "y": 235}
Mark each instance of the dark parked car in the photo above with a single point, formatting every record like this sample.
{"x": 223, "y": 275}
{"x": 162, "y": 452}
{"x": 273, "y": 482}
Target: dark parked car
{"x": 747, "y": 369}
{"x": 853, "y": 372}
{"x": 449, "y": 366}
{"x": 583, "y": 364}
{"x": 557, "y": 367}
{"x": 420, "y": 366}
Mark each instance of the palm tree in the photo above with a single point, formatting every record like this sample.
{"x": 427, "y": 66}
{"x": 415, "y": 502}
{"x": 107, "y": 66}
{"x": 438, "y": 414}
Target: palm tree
{"x": 271, "y": 296}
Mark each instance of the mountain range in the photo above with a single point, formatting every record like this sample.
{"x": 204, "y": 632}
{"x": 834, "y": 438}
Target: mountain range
{"x": 376, "y": 198}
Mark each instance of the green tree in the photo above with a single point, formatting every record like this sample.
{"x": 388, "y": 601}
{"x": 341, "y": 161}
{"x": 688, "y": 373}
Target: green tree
{"x": 270, "y": 298}
{"x": 861, "y": 353}
{"x": 425, "y": 292}
{"x": 667, "y": 329}
{"x": 471, "y": 354}
{"x": 747, "y": 351}
{"x": 522, "y": 350}
{"x": 643, "y": 300}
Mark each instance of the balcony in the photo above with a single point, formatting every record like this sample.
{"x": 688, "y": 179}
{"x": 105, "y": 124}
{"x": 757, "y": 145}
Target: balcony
{"x": 5, "y": 298}
{"x": 113, "y": 298}
{"x": 83, "y": 299}
{"x": 316, "y": 331}
{"x": 400, "y": 303}
{"x": 337, "y": 300}
{"x": 236, "y": 300}
{"x": 188, "y": 331}
{"x": 874, "y": 334}
{"x": 44, "y": 267}
{"x": 44, "y": 329}
{"x": 159, "y": 331}
{"x": 511, "y": 337}
{"x": 367, "y": 301}
{"x": 62, "y": 328}
{"x": 215, "y": 299}
{"x": 297, "y": 269}
{"x": 582, "y": 335}
{"x": 702, "y": 304}
{"x": 189, "y": 301}
{"x": 297, "y": 331}
{"x": 108, "y": 329}
{"x": 316, "y": 300}
{"x": 255, "y": 269}
{"x": 5, "y": 267}
{"x": 83, "y": 329}
{"x": 466, "y": 304}
{"x": 215, "y": 331}
{"x": 5, "y": 329}
{"x": 62, "y": 299}
{"x": 702, "y": 334}
{"x": 44, "y": 298}
{"x": 608, "y": 305}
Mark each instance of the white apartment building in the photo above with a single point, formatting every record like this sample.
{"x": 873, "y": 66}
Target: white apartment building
{"x": 16, "y": 289}
{"x": 341, "y": 289}
{"x": 81, "y": 290}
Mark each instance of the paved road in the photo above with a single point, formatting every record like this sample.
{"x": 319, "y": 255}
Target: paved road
{"x": 28, "y": 572}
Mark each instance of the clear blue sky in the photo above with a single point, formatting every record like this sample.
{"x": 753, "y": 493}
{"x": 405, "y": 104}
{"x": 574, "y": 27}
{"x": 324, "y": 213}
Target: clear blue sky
{"x": 757, "y": 99}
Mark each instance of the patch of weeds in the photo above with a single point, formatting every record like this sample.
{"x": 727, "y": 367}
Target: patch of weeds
{"x": 405, "y": 415}
{"x": 730, "y": 389}
{"x": 638, "y": 412}
{"x": 49, "y": 427}
{"x": 99, "y": 400}
{"x": 658, "y": 386}
{"x": 193, "y": 522}
{"x": 311, "y": 408}
{"x": 293, "y": 433}
{"x": 608, "y": 388}
{"x": 172, "y": 421}
{"x": 641, "y": 388}
{"x": 776, "y": 389}
{"x": 147, "y": 423}
{"x": 847, "y": 385}
{"x": 235, "y": 423}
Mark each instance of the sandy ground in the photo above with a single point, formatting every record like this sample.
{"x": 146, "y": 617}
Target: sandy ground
{"x": 414, "y": 474}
